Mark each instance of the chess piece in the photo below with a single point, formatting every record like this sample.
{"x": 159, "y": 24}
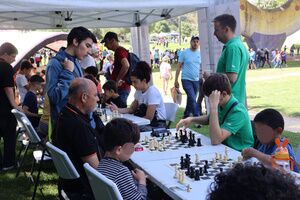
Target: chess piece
{"x": 181, "y": 163}
{"x": 197, "y": 175}
{"x": 176, "y": 135}
{"x": 151, "y": 145}
{"x": 176, "y": 172}
{"x": 192, "y": 172}
{"x": 146, "y": 139}
{"x": 169, "y": 138}
{"x": 239, "y": 159}
{"x": 201, "y": 171}
{"x": 188, "y": 188}
{"x": 188, "y": 171}
{"x": 197, "y": 159}
{"x": 205, "y": 169}
{"x": 213, "y": 163}
{"x": 216, "y": 156}
{"x": 199, "y": 142}
{"x": 160, "y": 146}
{"x": 221, "y": 169}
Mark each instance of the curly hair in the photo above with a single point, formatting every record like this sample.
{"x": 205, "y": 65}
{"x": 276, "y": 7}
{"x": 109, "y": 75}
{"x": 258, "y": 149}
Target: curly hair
{"x": 248, "y": 182}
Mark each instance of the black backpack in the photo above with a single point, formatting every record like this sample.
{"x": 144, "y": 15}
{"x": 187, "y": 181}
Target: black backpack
{"x": 133, "y": 60}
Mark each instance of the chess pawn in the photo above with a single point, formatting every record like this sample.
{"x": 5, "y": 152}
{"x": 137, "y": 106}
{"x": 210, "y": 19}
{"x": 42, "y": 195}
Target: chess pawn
{"x": 151, "y": 145}
{"x": 169, "y": 138}
{"x": 182, "y": 177}
{"x": 146, "y": 139}
{"x": 197, "y": 159}
{"x": 188, "y": 188}
{"x": 176, "y": 175}
{"x": 213, "y": 163}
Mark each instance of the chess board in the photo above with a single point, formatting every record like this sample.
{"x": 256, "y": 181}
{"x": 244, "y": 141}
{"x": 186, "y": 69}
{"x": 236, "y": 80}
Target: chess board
{"x": 173, "y": 145}
{"x": 212, "y": 171}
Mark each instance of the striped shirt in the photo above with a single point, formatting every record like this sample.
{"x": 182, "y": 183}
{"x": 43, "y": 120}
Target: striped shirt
{"x": 122, "y": 177}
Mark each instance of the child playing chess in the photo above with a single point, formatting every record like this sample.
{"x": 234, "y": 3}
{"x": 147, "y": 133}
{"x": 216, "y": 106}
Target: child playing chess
{"x": 120, "y": 137}
{"x": 269, "y": 125}
{"x": 111, "y": 94}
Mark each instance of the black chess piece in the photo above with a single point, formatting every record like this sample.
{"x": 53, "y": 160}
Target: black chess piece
{"x": 181, "y": 163}
{"x": 176, "y": 135}
{"x": 192, "y": 172}
{"x": 205, "y": 169}
{"x": 206, "y": 163}
{"x": 201, "y": 171}
{"x": 197, "y": 175}
{"x": 194, "y": 141}
{"x": 199, "y": 142}
{"x": 221, "y": 169}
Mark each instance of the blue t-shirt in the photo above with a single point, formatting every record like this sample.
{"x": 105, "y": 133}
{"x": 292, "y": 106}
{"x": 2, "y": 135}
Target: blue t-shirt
{"x": 191, "y": 61}
{"x": 270, "y": 150}
{"x": 30, "y": 101}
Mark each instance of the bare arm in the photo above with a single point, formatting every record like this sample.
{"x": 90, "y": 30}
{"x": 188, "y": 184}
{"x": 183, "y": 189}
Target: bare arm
{"x": 124, "y": 69}
{"x": 91, "y": 159}
{"x": 217, "y": 135}
{"x": 232, "y": 77}
{"x": 10, "y": 95}
{"x": 150, "y": 112}
{"x": 251, "y": 152}
{"x": 186, "y": 122}
{"x": 178, "y": 69}
{"x": 28, "y": 113}
{"x": 131, "y": 109}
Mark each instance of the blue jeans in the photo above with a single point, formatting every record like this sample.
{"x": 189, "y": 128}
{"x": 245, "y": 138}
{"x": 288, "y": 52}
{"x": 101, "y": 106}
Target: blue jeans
{"x": 191, "y": 89}
{"x": 124, "y": 95}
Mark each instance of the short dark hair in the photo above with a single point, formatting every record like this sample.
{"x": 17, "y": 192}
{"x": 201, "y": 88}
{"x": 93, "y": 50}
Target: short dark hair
{"x": 216, "y": 81}
{"x": 91, "y": 70}
{"x": 80, "y": 33}
{"x": 110, "y": 35}
{"x": 25, "y": 64}
{"x": 118, "y": 132}
{"x": 247, "y": 182}
{"x": 110, "y": 85}
{"x": 226, "y": 20}
{"x": 271, "y": 118}
{"x": 92, "y": 78}
{"x": 36, "y": 79}
{"x": 8, "y": 48}
{"x": 142, "y": 71}
{"x": 31, "y": 60}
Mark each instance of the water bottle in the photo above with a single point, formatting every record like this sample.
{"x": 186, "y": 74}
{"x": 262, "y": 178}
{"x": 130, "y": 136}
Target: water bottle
{"x": 281, "y": 156}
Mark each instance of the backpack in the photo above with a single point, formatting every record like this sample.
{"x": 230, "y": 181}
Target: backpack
{"x": 133, "y": 59}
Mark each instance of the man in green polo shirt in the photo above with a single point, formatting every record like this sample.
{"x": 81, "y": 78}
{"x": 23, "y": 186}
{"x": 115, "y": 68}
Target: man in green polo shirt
{"x": 228, "y": 120}
{"x": 234, "y": 58}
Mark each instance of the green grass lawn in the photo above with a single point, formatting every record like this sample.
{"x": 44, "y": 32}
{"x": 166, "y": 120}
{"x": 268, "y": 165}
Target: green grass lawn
{"x": 276, "y": 88}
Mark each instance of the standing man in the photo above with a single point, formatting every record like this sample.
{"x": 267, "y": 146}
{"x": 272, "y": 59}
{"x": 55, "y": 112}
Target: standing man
{"x": 234, "y": 58}
{"x": 121, "y": 64}
{"x": 8, "y": 122}
{"x": 64, "y": 67}
{"x": 189, "y": 62}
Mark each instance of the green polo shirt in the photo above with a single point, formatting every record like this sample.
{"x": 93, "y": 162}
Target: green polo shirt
{"x": 237, "y": 122}
{"x": 234, "y": 59}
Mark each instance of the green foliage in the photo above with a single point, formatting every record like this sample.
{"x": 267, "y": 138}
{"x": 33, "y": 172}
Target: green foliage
{"x": 268, "y": 4}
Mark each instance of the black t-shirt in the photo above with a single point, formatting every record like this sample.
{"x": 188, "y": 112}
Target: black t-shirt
{"x": 117, "y": 101}
{"x": 30, "y": 100}
{"x": 77, "y": 138}
{"x": 6, "y": 80}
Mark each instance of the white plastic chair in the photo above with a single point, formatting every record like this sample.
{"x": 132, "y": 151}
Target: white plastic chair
{"x": 103, "y": 188}
{"x": 64, "y": 166}
{"x": 171, "y": 110}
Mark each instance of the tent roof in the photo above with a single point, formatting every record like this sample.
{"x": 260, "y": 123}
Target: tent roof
{"x": 52, "y": 14}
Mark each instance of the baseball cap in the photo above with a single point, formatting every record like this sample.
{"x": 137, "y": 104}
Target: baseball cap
{"x": 195, "y": 38}
{"x": 109, "y": 36}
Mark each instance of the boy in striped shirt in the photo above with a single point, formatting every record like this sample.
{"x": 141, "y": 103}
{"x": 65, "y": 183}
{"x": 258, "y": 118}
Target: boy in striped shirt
{"x": 120, "y": 136}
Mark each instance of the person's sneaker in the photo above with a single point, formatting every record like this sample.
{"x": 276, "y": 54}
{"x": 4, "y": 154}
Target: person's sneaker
{"x": 8, "y": 168}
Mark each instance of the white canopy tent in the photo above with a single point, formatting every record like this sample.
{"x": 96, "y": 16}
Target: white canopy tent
{"x": 137, "y": 14}
{"x": 52, "y": 14}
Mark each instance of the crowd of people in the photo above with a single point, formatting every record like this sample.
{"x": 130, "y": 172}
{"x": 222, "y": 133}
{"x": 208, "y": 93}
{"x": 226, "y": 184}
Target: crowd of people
{"x": 71, "y": 91}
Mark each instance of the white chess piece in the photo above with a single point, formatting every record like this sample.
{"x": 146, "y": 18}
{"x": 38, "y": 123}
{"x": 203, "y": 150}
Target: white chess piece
{"x": 213, "y": 163}
{"x": 197, "y": 159}
{"x": 169, "y": 138}
{"x": 151, "y": 145}
{"x": 176, "y": 172}
{"x": 146, "y": 139}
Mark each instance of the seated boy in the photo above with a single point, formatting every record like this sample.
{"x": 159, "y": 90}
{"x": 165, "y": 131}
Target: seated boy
{"x": 269, "y": 125}
{"x": 120, "y": 136}
{"x": 228, "y": 120}
{"x": 93, "y": 71}
{"x": 30, "y": 103}
{"x": 111, "y": 94}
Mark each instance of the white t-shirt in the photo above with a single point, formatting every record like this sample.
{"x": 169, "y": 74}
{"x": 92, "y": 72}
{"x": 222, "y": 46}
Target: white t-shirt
{"x": 21, "y": 82}
{"x": 87, "y": 61}
{"x": 152, "y": 97}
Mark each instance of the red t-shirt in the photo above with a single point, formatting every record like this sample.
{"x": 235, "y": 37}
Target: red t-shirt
{"x": 120, "y": 53}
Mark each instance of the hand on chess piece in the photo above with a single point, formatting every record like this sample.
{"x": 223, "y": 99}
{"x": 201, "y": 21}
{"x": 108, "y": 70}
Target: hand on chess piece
{"x": 249, "y": 153}
{"x": 184, "y": 122}
{"x": 140, "y": 176}
{"x": 214, "y": 99}
{"x": 112, "y": 106}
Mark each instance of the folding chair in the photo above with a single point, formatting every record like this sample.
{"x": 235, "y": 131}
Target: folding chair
{"x": 103, "y": 188}
{"x": 34, "y": 141}
{"x": 171, "y": 110}
{"x": 63, "y": 164}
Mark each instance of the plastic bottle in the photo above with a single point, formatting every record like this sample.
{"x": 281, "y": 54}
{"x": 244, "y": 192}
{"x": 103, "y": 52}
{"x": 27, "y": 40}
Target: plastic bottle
{"x": 281, "y": 156}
